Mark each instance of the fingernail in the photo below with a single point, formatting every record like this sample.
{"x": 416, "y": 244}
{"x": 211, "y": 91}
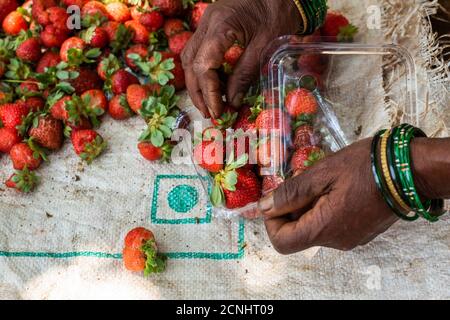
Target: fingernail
{"x": 237, "y": 100}
{"x": 266, "y": 203}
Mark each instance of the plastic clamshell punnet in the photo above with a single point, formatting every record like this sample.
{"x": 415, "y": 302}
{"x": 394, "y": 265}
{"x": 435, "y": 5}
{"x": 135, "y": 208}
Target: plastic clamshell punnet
{"x": 358, "y": 88}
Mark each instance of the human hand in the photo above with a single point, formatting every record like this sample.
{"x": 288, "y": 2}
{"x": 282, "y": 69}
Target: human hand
{"x": 334, "y": 204}
{"x": 253, "y": 24}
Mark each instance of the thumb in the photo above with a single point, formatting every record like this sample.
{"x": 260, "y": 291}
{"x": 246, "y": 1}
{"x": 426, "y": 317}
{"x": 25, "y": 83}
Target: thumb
{"x": 244, "y": 74}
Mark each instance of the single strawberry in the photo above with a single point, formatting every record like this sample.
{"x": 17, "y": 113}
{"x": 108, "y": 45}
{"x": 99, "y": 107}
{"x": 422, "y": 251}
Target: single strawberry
{"x": 47, "y": 132}
{"x": 8, "y": 138}
{"x": 23, "y": 180}
{"x": 227, "y": 119}
{"x": 140, "y": 252}
{"x": 137, "y": 11}
{"x": 58, "y": 110}
{"x": 118, "y": 11}
{"x": 337, "y": 28}
{"x": 305, "y": 136}
{"x": 136, "y": 94}
{"x": 25, "y": 155}
{"x": 118, "y": 107}
{"x": 246, "y": 190}
{"x": 178, "y": 81}
{"x": 316, "y": 63}
{"x": 139, "y": 49}
{"x": 53, "y": 37}
{"x": 29, "y": 50}
{"x": 13, "y": 23}
{"x": 78, "y": 3}
{"x": 152, "y": 153}
{"x": 121, "y": 80}
{"x": 301, "y": 102}
{"x": 12, "y": 114}
{"x": 39, "y": 11}
{"x": 94, "y": 7}
{"x": 107, "y": 66}
{"x": 87, "y": 79}
{"x": 35, "y": 103}
{"x": 306, "y": 157}
{"x": 6, "y": 7}
{"x": 152, "y": 20}
{"x": 140, "y": 33}
{"x": 58, "y": 17}
{"x": 231, "y": 57}
{"x": 95, "y": 100}
{"x": 49, "y": 59}
{"x": 197, "y": 13}
{"x": 111, "y": 28}
{"x": 173, "y": 26}
{"x": 178, "y": 41}
{"x": 273, "y": 121}
{"x": 81, "y": 124}
{"x": 169, "y": 8}
{"x": 210, "y": 155}
{"x": 271, "y": 183}
{"x": 246, "y": 119}
{"x": 88, "y": 144}
{"x": 73, "y": 43}
{"x": 96, "y": 37}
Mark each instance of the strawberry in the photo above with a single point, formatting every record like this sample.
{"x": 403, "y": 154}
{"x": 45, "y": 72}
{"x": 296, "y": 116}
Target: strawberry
{"x": 118, "y": 107}
{"x": 49, "y": 59}
{"x": 247, "y": 190}
{"x": 152, "y": 153}
{"x": 7, "y": 6}
{"x": 273, "y": 120}
{"x": 271, "y": 152}
{"x": 300, "y": 102}
{"x": 96, "y": 100}
{"x": 246, "y": 119}
{"x": 152, "y": 20}
{"x": 39, "y": 11}
{"x": 271, "y": 183}
{"x": 24, "y": 155}
{"x": 81, "y": 124}
{"x": 178, "y": 41}
{"x": 52, "y": 36}
{"x": 304, "y": 136}
{"x": 197, "y": 14}
{"x": 136, "y": 94}
{"x": 78, "y": 3}
{"x": 13, "y": 23}
{"x": 173, "y": 26}
{"x": 94, "y": 7}
{"x": 111, "y": 28}
{"x": 88, "y": 144}
{"x": 29, "y": 86}
{"x": 71, "y": 43}
{"x": 178, "y": 80}
{"x": 169, "y": 8}
{"x": 58, "y": 18}
{"x": 270, "y": 98}
{"x": 96, "y": 37}
{"x": 8, "y": 138}
{"x": 118, "y": 11}
{"x": 23, "y": 180}
{"x": 231, "y": 57}
{"x": 305, "y": 157}
{"x": 121, "y": 80}
{"x": 137, "y": 11}
{"x": 227, "y": 119}
{"x": 140, "y": 252}
{"x": 58, "y": 110}
{"x": 108, "y": 66}
{"x": 338, "y": 28}
{"x": 12, "y": 114}
{"x": 47, "y": 132}
{"x": 316, "y": 63}
{"x": 29, "y": 50}
{"x": 139, "y": 49}
{"x": 209, "y": 155}
{"x": 140, "y": 33}
{"x": 35, "y": 103}
{"x": 87, "y": 79}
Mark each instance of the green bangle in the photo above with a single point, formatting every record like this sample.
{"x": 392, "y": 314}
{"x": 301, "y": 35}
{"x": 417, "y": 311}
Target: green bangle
{"x": 315, "y": 11}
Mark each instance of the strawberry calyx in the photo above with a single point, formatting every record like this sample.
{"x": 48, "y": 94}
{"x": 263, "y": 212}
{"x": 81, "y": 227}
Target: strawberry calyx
{"x": 38, "y": 151}
{"x": 160, "y": 124}
{"x": 256, "y": 102}
{"x": 122, "y": 38}
{"x": 30, "y": 120}
{"x": 23, "y": 180}
{"x": 96, "y": 19}
{"x": 226, "y": 121}
{"x": 347, "y": 33}
{"x": 93, "y": 149}
{"x": 157, "y": 69}
{"x": 18, "y": 70}
{"x": 76, "y": 56}
{"x": 78, "y": 108}
{"x": 155, "y": 262}
{"x": 303, "y": 119}
{"x": 314, "y": 157}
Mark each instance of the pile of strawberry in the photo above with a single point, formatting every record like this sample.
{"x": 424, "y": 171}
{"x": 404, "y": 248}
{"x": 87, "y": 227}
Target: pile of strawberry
{"x": 283, "y": 121}
{"x": 59, "y": 82}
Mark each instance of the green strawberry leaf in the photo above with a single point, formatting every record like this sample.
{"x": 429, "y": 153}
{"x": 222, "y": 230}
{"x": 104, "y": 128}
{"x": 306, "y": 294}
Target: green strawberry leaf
{"x": 157, "y": 138}
{"x": 217, "y": 196}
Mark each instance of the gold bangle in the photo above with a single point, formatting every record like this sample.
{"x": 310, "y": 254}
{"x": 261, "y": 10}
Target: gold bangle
{"x": 302, "y": 13}
{"x": 386, "y": 174}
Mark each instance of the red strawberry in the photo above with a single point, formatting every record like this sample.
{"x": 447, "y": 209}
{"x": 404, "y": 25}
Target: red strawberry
{"x": 136, "y": 94}
{"x": 305, "y": 137}
{"x": 173, "y": 26}
{"x": 8, "y": 138}
{"x": 247, "y": 190}
{"x": 137, "y": 11}
{"x": 118, "y": 11}
{"x": 94, "y": 7}
{"x": 121, "y": 80}
{"x": 338, "y": 28}
{"x": 300, "y": 102}
{"x": 98, "y": 38}
{"x": 273, "y": 120}
{"x": 305, "y": 157}
{"x": 111, "y": 29}
{"x": 29, "y": 50}
{"x": 178, "y": 81}
{"x": 169, "y": 8}
{"x": 13, "y": 23}
{"x": 246, "y": 119}
{"x": 271, "y": 183}
{"x": 152, "y": 153}
{"x": 271, "y": 152}
{"x": 81, "y": 124}
{"x": 118, "y": 107}
{"x": 197, "y": 13}
{"x": 29, "y": 86}
{"x": 139, "y": 49}
{"x": 35, "y": 103}
{"x": 88, "y": 144}
{"x": 316, "y": 63}
{"x": 48, "y": 60}
{"x": 71, "y": 43}
{"x": 23, "y": 180}
{"x": 152, "y": 20}
{"x": 140, "y": 252}
{"x": 52, "y": 36}
{"x": 97, "y": 100}
{"x": 231, "y": 57}
{"x": 108, "y": 64}
{"x": 58, "y": 18}
{"x": 78, "y": 3}
{"x": 178, "y": 41}
{"x": 48, "y": 133}
{"x": 7, "y": 6}
{"x": 39, "y": 11}
{"x": 140, "y": 33}
{"x": 58, "y": 110}
{"x": 87, "y": 79}
{"x": 12, "y": 114}
{"x": 22, "y": 156}
{"x": 209, "y": 155}
{"x": 271, "y": 98}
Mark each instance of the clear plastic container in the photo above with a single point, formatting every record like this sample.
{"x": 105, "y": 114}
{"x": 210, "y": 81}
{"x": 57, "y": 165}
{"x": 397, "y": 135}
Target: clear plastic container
{"x": 336, "y": 93}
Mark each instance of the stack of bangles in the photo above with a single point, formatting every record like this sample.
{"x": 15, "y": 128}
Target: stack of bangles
{"x": 313, "y": 14}
{"x": 392, "y": 169}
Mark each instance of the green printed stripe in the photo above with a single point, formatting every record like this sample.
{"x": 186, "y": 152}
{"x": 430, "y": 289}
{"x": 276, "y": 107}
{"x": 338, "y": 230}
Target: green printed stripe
{"x": 63, "y": 255}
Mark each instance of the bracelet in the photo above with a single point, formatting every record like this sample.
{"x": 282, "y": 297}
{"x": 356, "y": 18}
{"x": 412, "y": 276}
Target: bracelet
{"x": 313, "y": 13}
{"x": 302, "y": 13}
